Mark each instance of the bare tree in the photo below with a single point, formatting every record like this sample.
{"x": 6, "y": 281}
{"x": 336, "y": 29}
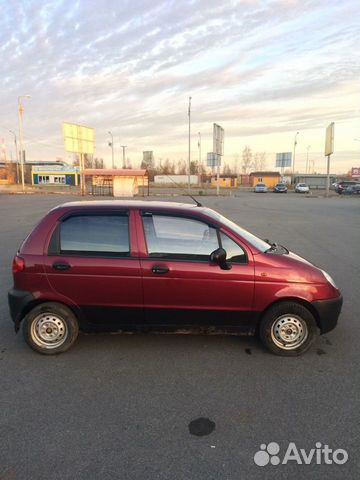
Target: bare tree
{"x": 167, "y": 167}
{"x": 98, "y": 163}
{"x": 259, "y": 162}
{"x": 236, "y": 163}
{"x": 181, "y": 167}
{"x": 247, "y": 159}
{"x": 226, "y": 170}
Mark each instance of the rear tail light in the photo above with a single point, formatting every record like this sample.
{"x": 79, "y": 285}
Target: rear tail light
{"x": 18, "y": 264}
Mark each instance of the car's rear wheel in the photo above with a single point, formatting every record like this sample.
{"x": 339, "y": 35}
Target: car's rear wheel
{"x": 50, "y": 328}
{"x": 288, "y": 329}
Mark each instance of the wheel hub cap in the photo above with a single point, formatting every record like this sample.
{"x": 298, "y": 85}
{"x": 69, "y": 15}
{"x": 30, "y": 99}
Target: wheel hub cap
{"x": 49, "y": 331}
{"x": 289, "y": 332}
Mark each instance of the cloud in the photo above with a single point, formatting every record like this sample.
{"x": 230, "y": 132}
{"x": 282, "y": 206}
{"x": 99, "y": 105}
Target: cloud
{"x": 259, "y": 68}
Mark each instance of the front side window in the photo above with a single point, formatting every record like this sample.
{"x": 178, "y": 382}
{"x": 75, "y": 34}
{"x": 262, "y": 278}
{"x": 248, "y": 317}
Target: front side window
{"x": 95, "y": 234}
{"x": 234, "y": 253}
{"x": 179, "y": 238}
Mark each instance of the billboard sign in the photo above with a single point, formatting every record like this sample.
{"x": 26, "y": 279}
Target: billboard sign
{"x": 329, "y": 140}
{"x": 218, "y": 140}
{"x": 283, "y": 159}
{"x": 355, "y": 172}
{"x": 148, "y": 158}
{"x": 213, "y": 160}
{"x": 78, "y": 138}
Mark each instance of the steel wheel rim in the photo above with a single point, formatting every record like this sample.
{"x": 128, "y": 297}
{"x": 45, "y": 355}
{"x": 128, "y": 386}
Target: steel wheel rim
{"x": 49, "y": 331}
{"x": 289, "y": 332}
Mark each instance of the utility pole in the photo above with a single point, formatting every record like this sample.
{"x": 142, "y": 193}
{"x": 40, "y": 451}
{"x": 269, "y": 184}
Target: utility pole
{"x": 307, "y": 158}
{"x": 189, "y": 152}
{"x": 21, "y": 140}
{"x": 16, "y": 157}
{"x": 123, "y": 149}
{"x": 200, "y": 164}
{"x": 111, "y": 144}
{"x": 295, "y": 143}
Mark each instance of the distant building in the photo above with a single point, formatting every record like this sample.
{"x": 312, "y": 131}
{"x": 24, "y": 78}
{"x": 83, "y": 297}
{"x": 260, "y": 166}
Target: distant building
{"x": 117, "y": 182}
{"x": 55, "y": 174}
{"x": 173, "y": 179}
{"x": 227, "y": 181}
{"x": 269, "y": 178}
{"x": 315, "y": 181}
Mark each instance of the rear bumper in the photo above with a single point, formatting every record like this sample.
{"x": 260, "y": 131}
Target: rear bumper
{"x": 18, "y": 301}
{"x": 328, "y": 313}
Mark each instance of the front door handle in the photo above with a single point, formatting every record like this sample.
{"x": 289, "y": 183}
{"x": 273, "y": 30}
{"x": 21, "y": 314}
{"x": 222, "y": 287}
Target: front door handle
{"x": 61, "y": 266}
{"x": 160, "y": 269}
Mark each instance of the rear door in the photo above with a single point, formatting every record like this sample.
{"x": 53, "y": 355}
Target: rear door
{"x": 182, "y": 287}
{"x": 93, "y": 263}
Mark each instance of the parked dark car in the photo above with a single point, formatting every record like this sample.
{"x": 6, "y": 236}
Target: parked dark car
{"x": 157, "y": 266}
{"x": 280, "y": 188}
{"x": 352, "y": 190}
{"x": 341, "y": 186}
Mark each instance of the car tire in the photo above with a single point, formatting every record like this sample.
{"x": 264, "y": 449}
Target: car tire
{"x": 288, "y": 329}
{"x": 50, "y": 328}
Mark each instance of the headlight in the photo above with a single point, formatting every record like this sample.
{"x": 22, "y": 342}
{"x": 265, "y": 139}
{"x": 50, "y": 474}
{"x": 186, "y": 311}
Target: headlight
{"x": 329, "y": 279}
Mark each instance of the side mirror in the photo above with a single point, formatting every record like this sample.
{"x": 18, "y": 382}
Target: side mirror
{"x": 218, "y": 256}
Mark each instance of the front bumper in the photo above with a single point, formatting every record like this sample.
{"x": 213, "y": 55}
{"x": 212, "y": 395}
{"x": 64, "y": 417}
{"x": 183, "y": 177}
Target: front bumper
{"x": 18, "y": 301}
{"x": 328, "y": 312}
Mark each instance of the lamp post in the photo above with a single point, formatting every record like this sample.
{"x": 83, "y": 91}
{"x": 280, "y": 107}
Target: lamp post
{"x": 123, "y": 149}
{"x": 307, "y": 158}
{"x": 111, "y": 144}
{"x": 20, "y": 112}
{"x": 189, "y": 159}
{"x": 16, "y": 156}
{"x": 295, "y": 143}
{"x": 200, "y": 164}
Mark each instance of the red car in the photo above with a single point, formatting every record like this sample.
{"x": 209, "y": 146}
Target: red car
{"x": 157, "y": 266}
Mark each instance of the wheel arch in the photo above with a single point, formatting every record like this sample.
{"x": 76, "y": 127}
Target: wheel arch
{"x": 297, "y": 300}
{"x": 38, "y": 301}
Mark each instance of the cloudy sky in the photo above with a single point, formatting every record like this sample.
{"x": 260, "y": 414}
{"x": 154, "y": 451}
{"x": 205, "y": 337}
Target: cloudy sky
{"x": 262, "y": 69}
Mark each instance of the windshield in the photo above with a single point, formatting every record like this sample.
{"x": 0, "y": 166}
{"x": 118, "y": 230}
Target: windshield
{"x": 249, "y": 237}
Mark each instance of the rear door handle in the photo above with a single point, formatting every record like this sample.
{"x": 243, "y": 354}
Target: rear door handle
{"x": 160, "y": 269}
{"x": 61, "y": 266}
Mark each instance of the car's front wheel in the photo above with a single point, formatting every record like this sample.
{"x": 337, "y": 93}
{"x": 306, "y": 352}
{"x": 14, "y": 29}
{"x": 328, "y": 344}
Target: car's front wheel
{"x": 288, "y": 329}
{"x": 50, "y": 328}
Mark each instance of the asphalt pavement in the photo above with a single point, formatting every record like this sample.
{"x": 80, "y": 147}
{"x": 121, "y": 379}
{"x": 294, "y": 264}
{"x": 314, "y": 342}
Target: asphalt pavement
{"x": 121, "y": 406}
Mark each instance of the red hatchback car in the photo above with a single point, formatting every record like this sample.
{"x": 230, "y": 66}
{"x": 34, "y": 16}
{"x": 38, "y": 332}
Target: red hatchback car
{"x": 157, "y": 266}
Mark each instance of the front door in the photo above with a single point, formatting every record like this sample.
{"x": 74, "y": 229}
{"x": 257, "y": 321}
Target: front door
{"x": 182, "y": 287}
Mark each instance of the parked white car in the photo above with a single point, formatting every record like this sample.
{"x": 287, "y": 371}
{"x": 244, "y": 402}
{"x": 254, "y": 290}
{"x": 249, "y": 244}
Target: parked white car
{"x": 260, "y": 188}
{"x": 302, "y": 188}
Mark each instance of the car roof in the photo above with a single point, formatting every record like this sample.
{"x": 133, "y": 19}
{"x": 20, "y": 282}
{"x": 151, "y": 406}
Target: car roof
{"x": 128, "y": 204}
{"x": 132, "y": 204}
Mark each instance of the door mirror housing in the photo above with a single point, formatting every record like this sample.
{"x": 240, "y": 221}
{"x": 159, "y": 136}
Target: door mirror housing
{"x": 218, "y": 256}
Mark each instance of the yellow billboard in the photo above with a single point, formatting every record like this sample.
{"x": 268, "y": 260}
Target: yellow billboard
{"x": 78, "y": 138}
{"x": 329, "y": 140}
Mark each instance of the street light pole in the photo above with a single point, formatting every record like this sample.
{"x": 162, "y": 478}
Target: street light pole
{"x": 16, "y": 156}
{"x": 200, "y": 164}
{"x": 295, "y": 143}
{"x": 112, "y": 149}
{"x": 123, "y": 149}
{"x": 307, "y": 158}
{"x": 20, "y": 112}
{"x": 189, "y": 158}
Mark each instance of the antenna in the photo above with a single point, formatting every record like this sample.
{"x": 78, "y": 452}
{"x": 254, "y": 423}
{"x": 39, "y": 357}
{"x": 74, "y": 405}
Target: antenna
{"x": 198, "y": 204}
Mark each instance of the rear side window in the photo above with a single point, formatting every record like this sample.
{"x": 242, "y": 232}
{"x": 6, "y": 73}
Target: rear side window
{"x": 95, "y": 234}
